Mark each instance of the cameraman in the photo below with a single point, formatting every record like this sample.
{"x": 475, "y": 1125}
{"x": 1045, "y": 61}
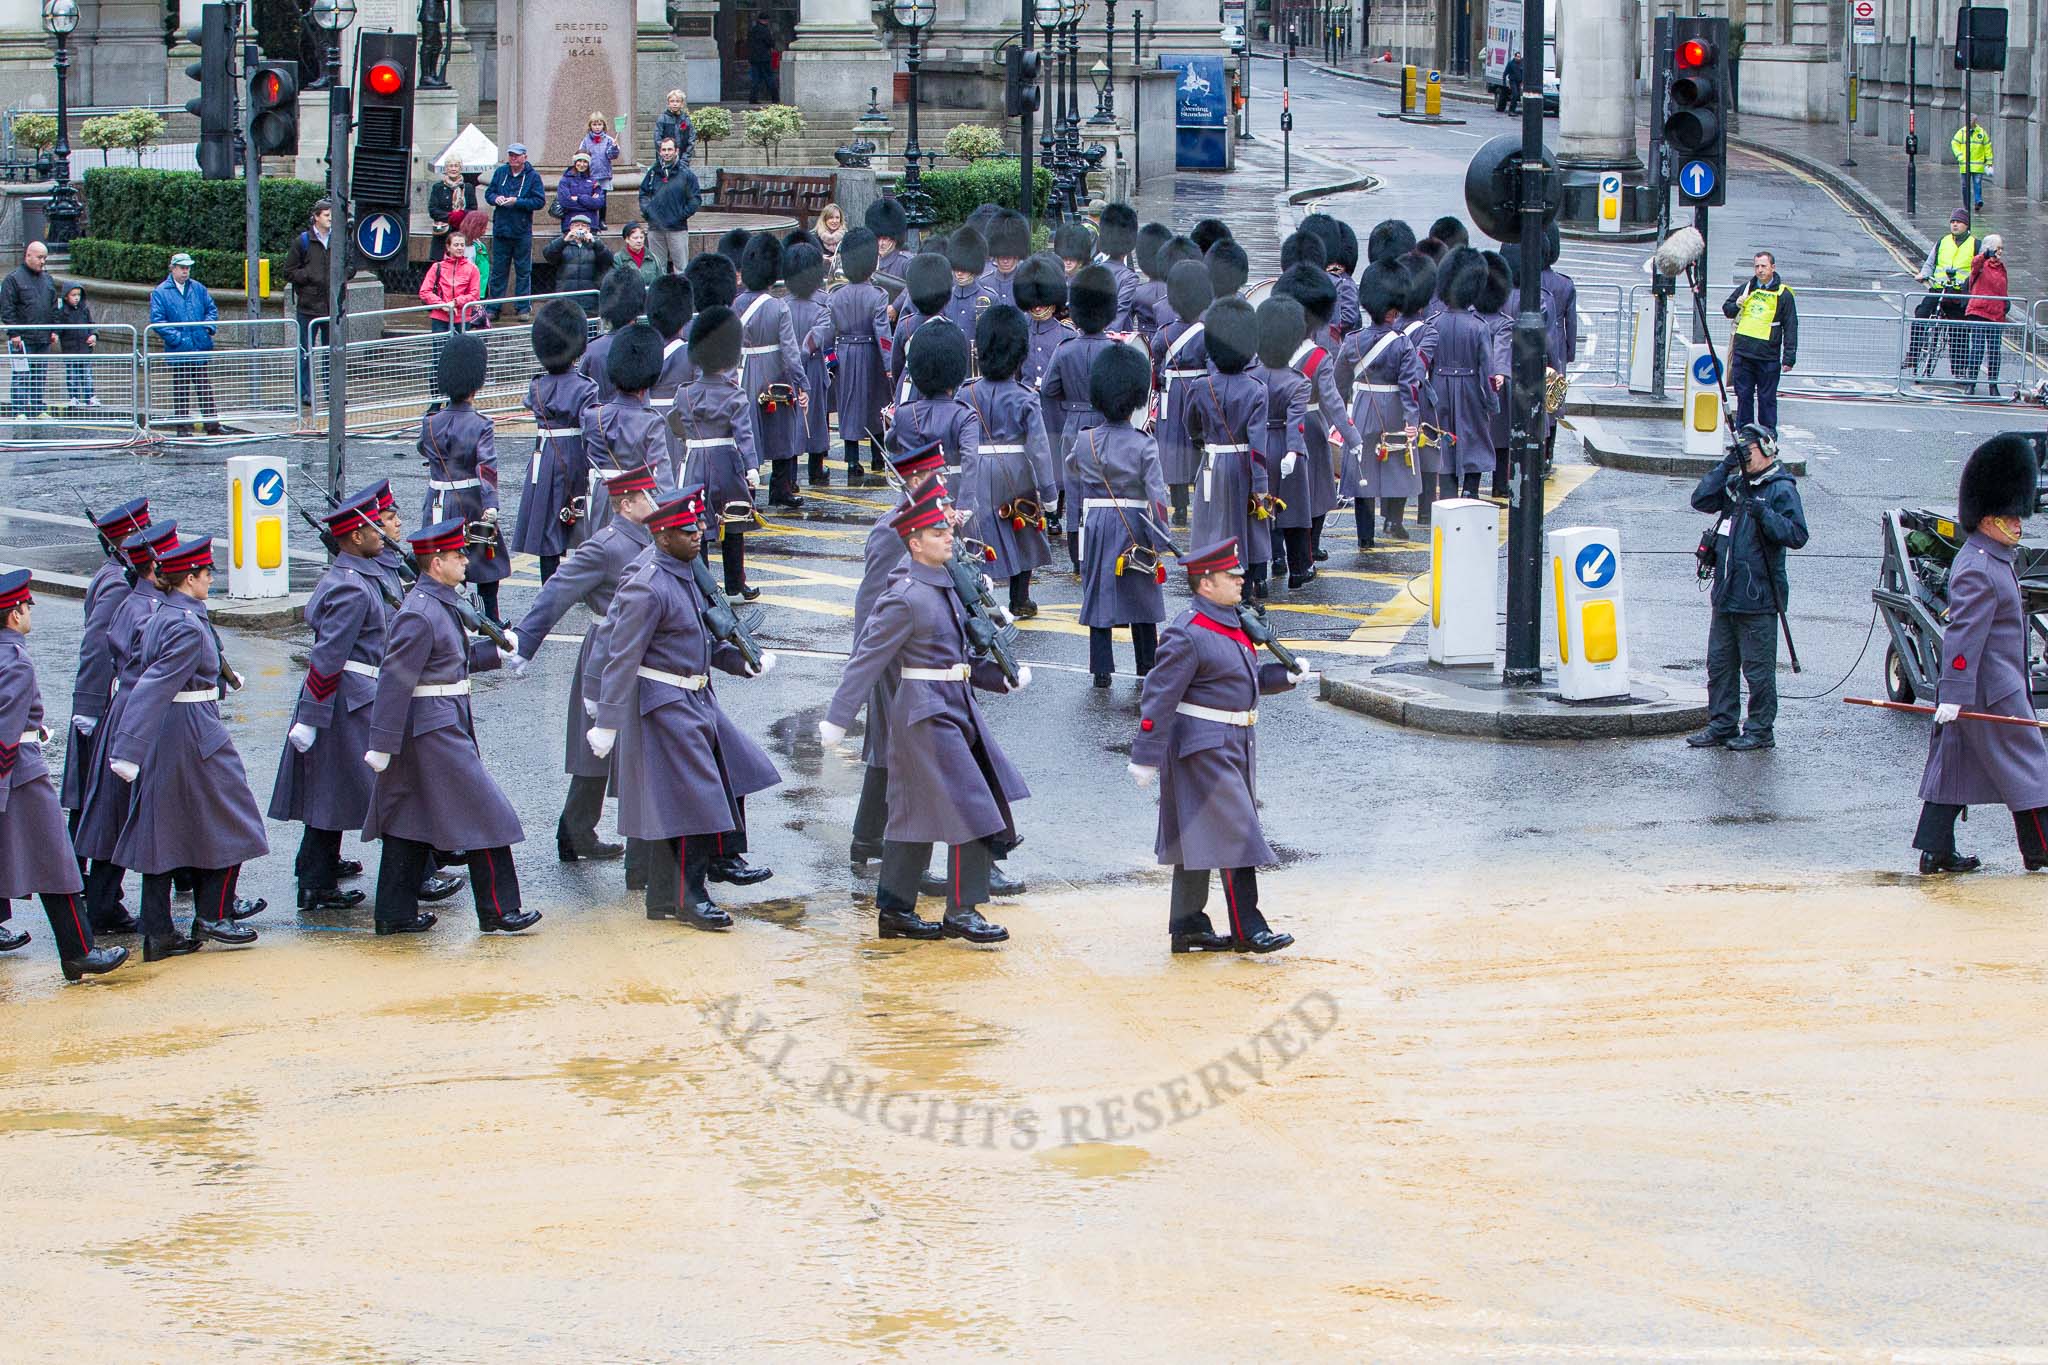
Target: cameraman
{"x": 1757, "y": 502}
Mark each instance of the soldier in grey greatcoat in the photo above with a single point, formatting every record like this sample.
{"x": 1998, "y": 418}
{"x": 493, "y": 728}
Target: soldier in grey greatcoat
{"x": 461, "y": 455}
{"x": 1149, "y": 310}
{"x": 928, "y": 288}
{"x": 803, "y": 274}
{"x": 1386, "y": 407}
{"x": 629, "y": 431}
{"x": 1227, "y": 423}
{"x": 1468, "y": 375}
{"x": 849, "y": 337}
{"x": 1116, "y": 236}
{"x": 1560, "y": 328}
{"x": 1984, "y": 650}
{"x": 684, "y": 769}
{"x": 967, "y": 254}
{"x": 1283, "y": 444}
{"x": 670, "y": 306}
{"x": 321, "y": 781}
{"x": 556, "y": 493}
{"x": 934, "y": 412}
{"x": 1009, "y": 242}
{"x": 1119, "y": 497}
{"x": 1179, "y": 360}
{"x": 1435, "y": 455}
{"x": 949, "y": 781}
{"x": 35, "y": 851}
{"x": 891, "y": 226}
{"x": 1495, "y": 307}
{"x": 1195, "y": 738}
{"x": 1091, "y": 307}
{"x": 1328, "y": 436}
{"x": 432, "y": 791}
{"x": 1007, "y": 486}
{"x": 590, "y": 575}
{"x": 1040, "y": 289}
{"x": 774, "y": 368}
{"x": 191, "y": 809}
{"x": 621, "y": 298}
{"x": 713, "y": 420}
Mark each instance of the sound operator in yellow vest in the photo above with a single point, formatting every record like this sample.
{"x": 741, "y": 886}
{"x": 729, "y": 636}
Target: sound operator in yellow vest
{"x": 1947, "y": 270}
{"x": 1766, "y": 342}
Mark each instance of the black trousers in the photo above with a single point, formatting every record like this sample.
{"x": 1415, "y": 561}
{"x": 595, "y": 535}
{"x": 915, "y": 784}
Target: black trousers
{"x": 103, "y": 894}
{"x": 580, "y": 812}
{"x": 904, "y": 864}
{"x": 1742, "y": 647}
{"x": 190, "y": 385}
{"x": 493, "y": 880}
{"x": 1469, "y": 486}
{"x": 67, "y": 921}
{"x": 871, "y": 815}
{"x": 1190, "y": 903}
{"x": 732, "y": 551}
{"x": 318, "y": 866}
{"x": 548, "y": 565}
{"x": 487, "y": 593}
{"x": 1936, "y": 832}
{"x": 1179, "y": 493}
{"x": 1102, "y": 653}
{"x": 213, "y": 891}
{"x": 676, "y": 872}
{"x": 1300, "y": 549}
{"x": 1020, "y": 589}
{"x": 1394, "y": 511}
{"x": 853, "y": 461}
{"x": 782, "y": 479}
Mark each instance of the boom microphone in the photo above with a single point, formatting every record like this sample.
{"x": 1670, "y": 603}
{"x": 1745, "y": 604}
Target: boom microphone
{"x": 1678, "y": 252}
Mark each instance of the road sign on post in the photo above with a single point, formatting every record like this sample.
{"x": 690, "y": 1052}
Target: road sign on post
{"x": 1863, "y": 21}
{"x": 1696, "y": 109}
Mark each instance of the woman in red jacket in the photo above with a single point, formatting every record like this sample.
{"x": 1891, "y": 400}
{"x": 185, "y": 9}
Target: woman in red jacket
{"x": 1986, "y": 313}
{"x": 452, "y": 284}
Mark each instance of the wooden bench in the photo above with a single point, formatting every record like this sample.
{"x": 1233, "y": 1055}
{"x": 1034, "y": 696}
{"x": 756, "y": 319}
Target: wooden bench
{"x": 802, "y": 197}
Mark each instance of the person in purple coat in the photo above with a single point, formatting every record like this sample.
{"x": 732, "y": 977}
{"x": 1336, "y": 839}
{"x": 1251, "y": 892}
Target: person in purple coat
{"x": 1495, "y": 306}
{"x": 1116, "y": 235}
{"x": 773, "y": 378}
{"x": 848, "y": 337}
{"x": 1091, "y": 307}
{"x": 1009, "y": 242}
{"x": 886, "y": 219}
{"x": 1387, "y": 406}
{"x": 1227, "y": 422}
{"x": 1977, "y": 762}
{"x": 629, "y": 431}
{"x": 1007, "y": 485}
{"x": 35, "y": 851}
{"x": 684, "y": 769}
{"x": 1340, "y": 262}
{"x": 1149, "y": 310}
{"x": 1434, "y": 458}
{"x": 93, "y": 687}
{"x": 461, "y": 453}
{"x": 590, "y": 575}
{"x": 621, "y": 298}
{"x": 321, "y": 781}
{"x": 670, "y": 305}
{"x": 949, "y": 781}
{"x": 1040, "y": 290}
{"x": 1560, "y": 328}
{"x": 1468, "y": 376}
{"x": 928, "y": 284}
{"x": 557, "y": 492}
{"x": 713, "y": 418}
{"x": 1179, "y": 362}
{"x": 1195, "y": 739}
{"x": 1282, "y": 443}
{"x": 1120, "y": 499}
{"x": 191, "y": 809}
{"x": 803, "y": 271}
{"x": 937, "y": 369}
{"x": 1329, "y": 435}
{"x": 967, "y": 255}
{"x": 432, "y": 791}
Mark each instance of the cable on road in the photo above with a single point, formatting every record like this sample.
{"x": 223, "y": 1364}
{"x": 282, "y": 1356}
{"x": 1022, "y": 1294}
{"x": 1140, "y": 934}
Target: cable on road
{"x": 1868, "y": 635}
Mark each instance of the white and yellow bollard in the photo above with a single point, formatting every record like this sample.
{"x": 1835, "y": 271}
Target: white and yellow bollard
{"x": 259, "y": 560}
{"x": 1609, "y": 218}
{"x": 1464, "y": 584}
{"x": 1592, "y": 633}
{"x": 1701, "y": 415}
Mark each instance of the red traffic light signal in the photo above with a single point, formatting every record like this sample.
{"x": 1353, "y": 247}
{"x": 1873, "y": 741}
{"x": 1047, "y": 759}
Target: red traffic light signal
{"x": 1694, "y": 54}
{"x": 385, "y": 78}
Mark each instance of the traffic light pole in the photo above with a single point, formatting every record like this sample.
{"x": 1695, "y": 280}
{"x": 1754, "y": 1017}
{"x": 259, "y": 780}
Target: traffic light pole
{"x": 252, "y": 165}
{"x": 1524, "y": 663}
{"x": 340, "y": 240}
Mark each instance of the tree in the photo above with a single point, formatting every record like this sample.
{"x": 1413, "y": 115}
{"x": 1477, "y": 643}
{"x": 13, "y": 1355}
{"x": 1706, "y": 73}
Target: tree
{"x": 972, "y": 142}
{"x": 37, "y": 132}
{"x": 711, "y": 124}
{"x": 767, "y": 128}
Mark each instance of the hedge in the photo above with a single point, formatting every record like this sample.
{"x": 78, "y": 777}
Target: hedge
{"x": 957, "y": 194}
{"x": 181, "y": 211}
{"x": 149, "y": 263}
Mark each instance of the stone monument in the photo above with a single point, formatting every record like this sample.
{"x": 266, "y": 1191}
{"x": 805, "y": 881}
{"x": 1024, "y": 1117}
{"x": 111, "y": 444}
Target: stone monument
{"x": 557, "y": 61}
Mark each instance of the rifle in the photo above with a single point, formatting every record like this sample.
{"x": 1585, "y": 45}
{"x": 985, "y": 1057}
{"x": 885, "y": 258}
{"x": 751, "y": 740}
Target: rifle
{"x": 987, "y": 624}
{"x": 1255, "y": 627}
{"x": 107, "y": 546}
{"x": 229, "y": 679}
{"x": 724, "y": 622}
{"x": 333, "y": 547}
{"x": 408, "y": 567}
{"x": 478, "y": 622}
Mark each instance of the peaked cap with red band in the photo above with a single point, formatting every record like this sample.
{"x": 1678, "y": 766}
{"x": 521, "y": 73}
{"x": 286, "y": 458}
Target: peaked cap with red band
{"x": 125, "y": 520}
{"x": 680, "y": 513}
{"x": 639, "y": 479}
{"x": 357, "y": 514}
{"x": 186, "y": 555}
{"x": 14, "y": 589}
{"x": 141, "y": 548}
{"x": 378, "y": 493}
{"x": 452, "y": 534}
{"x": 927, "y": 509}
{"x": 1218, "y": 558}
{"x": 922, "y": 460}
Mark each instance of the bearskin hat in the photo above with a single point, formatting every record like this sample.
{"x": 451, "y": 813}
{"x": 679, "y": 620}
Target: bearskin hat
{"x": 885, "y": 218}
{"x": 669, "y": 305}
{"x": 621, "y": 297}
{"x": 796, "y": 237}
{"x": 715, "y": 339}
{"x": 1450, "y": 232}
{"x": 1381, "y": 289}
{"x": 732, "y": 244}
{"x": 1091, "y": 298}
{"x": 803, "y": 269}
{"x": 560, "y": 332}
{"x": 760, "y": 263}
{"x": 1208, "y": 232}
{"x": 1118, "y": 380}
{"x": 634, "y": 361}
{"x": 714, "y": 282}
{"x": 1493, "y": 295}
{"x": 928, "y": 279}
{"x": 1455, "y": 264}
{"x": 1345, "y": 253}
{"x": 1074, "y": 242}
{"x": 1421, "y": 270}
{"x": 1313, "y": 289}
{"x": 1303, "y": 248}
{"x": 1117, "y": 229}
{"x": 1009, "y": 236}
{"x": 1230, "y": 330}
{"x": 983, "y": 215}
{"x": 858, "y": 254}
{"x": 1174, "y": 252}
{"x": 1388, "y": 239}
{"x": 938, "y": 357}
{"x": 1152, "y": 239}
{"x": 1229, "y": 267}
{"x": 459, "y": 371}
{"x": 1999, "y": 480}
{"x": 1282, "y": 327}
{"x": 1039, "y": 283}
{"x": 1002, "y": 339}
{"x": 1432, "y": 248}
{"x": 967, "y": 251}
{"x": 1189, "y": 291}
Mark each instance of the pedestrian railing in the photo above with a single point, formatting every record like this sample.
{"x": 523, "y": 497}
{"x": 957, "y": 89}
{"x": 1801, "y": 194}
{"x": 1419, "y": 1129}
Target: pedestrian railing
{"x": 1604, "y": 327}
{"x": 243, "y": 371}
{"x": 54, "y": 396}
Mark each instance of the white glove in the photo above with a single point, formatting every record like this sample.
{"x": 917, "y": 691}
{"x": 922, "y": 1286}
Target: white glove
{"x": 491, "y": 514}
{"x": 378, "y": 760}
{"x": 1306, "y": 670}
{"x": 590, "y": 708}
{"x": 514, "y": 661}
{"x": 1287, "y": 463}
{"x": 754, "y": 478}
{"x": 601, "y": 740}
{"x": 830, "y": 734}
{"x": 124, "y": 770}
{"x": 85, "y": 725}
{"x": 1023, "y": 678}
{"x": 301, "y": 737}
{"x": 767, "y": 665}
{"x": 1142, "y": 775}
{"x": 1946, "y": 712}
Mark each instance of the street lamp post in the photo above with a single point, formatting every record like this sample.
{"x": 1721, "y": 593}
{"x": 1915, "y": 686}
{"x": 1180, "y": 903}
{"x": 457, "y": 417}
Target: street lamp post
{"x": 1048, "y": 16}
{"x": 914, "y": 16}
{"x": 60, "y": 17}
{"x": 333, "y": 18}
{"x": 1105, "y": 89}
{"x": 1076, "y": 176}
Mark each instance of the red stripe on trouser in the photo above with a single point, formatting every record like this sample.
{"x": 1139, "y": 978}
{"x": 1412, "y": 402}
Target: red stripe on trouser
{"x": 71, "y": 904}
{"x": 1230, "y": 899}
{"x": 492, "y": 864}
{"x": 227, "y": 888}
{"x": 2039, "y": 841}
{"x": 683, "y": 870}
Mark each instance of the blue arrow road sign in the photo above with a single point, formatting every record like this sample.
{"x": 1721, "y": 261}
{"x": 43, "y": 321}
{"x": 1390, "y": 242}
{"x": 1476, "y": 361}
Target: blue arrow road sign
{"x": 1595, "y": 565}
{"x": 1705, "y": 370}
{"x": 1696, "y": 178}
{"x": 268, "y": 486}
{"x": 379, "y": 236}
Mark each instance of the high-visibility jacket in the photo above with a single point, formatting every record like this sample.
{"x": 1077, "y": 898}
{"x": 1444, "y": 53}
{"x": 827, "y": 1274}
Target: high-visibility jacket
{"x": 1980, "y": 149}
{"x": 1952, "y": 261}
{"x": 1766, "y": 320}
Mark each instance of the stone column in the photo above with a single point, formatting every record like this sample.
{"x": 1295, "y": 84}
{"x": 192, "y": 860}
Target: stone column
{"x": 557, "y": 61}
{"x": 834, "y": 58}
{"x": 1596, "y": 56}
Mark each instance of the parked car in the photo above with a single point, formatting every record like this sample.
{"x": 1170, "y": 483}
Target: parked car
{"x": 1233, "y": 37}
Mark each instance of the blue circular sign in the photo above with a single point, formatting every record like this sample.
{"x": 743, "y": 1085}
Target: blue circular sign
{"x": 1696, "y": 179}
{"x": 1595, "y": 565}
{"x": 1610, "y": 184}
{"x": 1705, "y": 371}
{"x": 268, "y": 486}
{"x": 380, "y": 236}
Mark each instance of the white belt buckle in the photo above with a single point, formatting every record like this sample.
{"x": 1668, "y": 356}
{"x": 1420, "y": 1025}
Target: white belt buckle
{"x": 688, "y": 682}
{"x": 358, "y": 666}
{"x": 198, "y": 695}
{"x": 956, "y": 673}
{"x": 454, "y": 689}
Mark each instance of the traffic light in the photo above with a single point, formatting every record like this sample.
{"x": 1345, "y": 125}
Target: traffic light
{"x": 1696, "y": 103}
{"x": 215, "y": 102}
{"x": 380, "y": 179}
{"x": 274, "y": 107}
{"x": 1020, "y": 82}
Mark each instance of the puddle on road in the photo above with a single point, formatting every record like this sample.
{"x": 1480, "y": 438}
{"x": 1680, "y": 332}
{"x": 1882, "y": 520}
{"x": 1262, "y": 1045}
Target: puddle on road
{"x": 1097, "y": 1159}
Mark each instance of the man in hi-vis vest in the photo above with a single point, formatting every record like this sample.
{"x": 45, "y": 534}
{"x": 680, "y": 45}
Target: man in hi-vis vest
{"x": 1766, "y": 342}
{"x": 1947, "y": 270}
{"x": 1971, "y": 147}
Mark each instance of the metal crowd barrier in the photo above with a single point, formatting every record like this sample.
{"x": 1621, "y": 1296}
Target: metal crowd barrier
{"x": 1604, "y": 325}
{"x": 249, "y": 377}
{"x": 54, "y": 395}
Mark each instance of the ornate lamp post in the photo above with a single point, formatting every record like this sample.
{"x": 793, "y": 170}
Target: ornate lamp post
{"x": 1070, "y": 131}
{"x": 1048, "y": 14}
{"x": 60, "y": 17}
{"x": 1105, "y": 88}
{"x": 332, "y": 18}
{"x": 914, "y": 17}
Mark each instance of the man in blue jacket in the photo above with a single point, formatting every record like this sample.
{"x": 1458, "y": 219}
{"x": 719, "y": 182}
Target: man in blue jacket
{"x": 1757, "y": 502}
{"x": 182, "y": 312}
{"x": 514, "y": 193}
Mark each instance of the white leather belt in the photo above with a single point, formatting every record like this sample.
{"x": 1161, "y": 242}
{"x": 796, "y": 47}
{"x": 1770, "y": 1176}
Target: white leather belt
{"x": 760, "y": 350}
{"x": 358, "y": 666}
{"x": 199, "y": 694}
{"x": 32, "y": 736}
{"x": 453, "y": 485}
{"x": 1240, "y": 718}
{"x": 1002, "y": 450}
{"x": 1090, "y": 504}
{"x": 1229, "y": 450}
{"x": 1185, "y": 373}
{"x": 668, "y": 402}
{"x": 708, "y": 443}
{"x": 1379, "y": 388}
{"x": 689, "y": 682}
{"x": 454, "y": 689}
{"x": 561, "y": 431}
{"x": 957, "y": 673}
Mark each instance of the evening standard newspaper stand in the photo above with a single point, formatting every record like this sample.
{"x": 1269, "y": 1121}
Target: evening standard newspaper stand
{"x": 1201, "y": 112}
{"x": 1592, "y": 636}
{"x": 259, "y": 563}
{"x": 1464, "y": 581}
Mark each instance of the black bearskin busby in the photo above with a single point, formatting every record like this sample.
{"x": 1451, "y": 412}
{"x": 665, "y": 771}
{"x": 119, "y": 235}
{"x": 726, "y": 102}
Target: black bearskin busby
{"x": 760, "y": 263}
{"x": 1389, "y": 239}
{"x": 1117, "y": 230}
{"x": 1282, "y": 328}
{"x": 858, "y": 254}
{"x": 1303, "y": 248}
{"x": 560, "y": 332}
{"x": 1456, "y": 264}
{"x": 1229, "y": 267}
{"x": 967, "y": 252}
{"x": 1314, "y": 290}
{"x": 669, "y": 305}
{"x": 885, "y": 218}
{"x": 715, "y": 339}
{"x": 1091, "y": 298}
{"x": 714, "y": 281}
{"x": 1230, "y": 330}
{"x": 928, "y": 279}
{"x": 621, "y": 297}
{"x": 1039, "y": 283}
{"x": 1174, "y": 252}
{"x": 1189, "y": 291}
{"x": 634, "y": 361}
{"x": 732, "y": 244}
{"x": 803, "y": 269}
{"x": 1493, "y": 295}
{"x": 1382, "y": 289}
{"x": 1450, "y": 231}
{"x": 1009, "y": 236}
{"x": 1421, "y": 269}
{"x": 1002, "y": 339}
{"x": 938, "y": 357}
{"x": 459, "y": 372}
{"x": 1999, "y": 480}
{"x": 1118, "y": 380}
{"x": 1074, "y": 242}
{"x": 1207, "y": 232}
{"x": 1152, "y": 239}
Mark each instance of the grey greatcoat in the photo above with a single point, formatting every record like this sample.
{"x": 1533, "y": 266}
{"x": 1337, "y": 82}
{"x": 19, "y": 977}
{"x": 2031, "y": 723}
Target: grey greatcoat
{"x": 1180, "y": 359}
{"x": 1348, "y": 315}
{"x": 35, "y": 850}
{"x": 1046, "y": 336}
{"x": 1287, "y": 398}
{"x": 1064, "y": 393}
{"x": 436, "y": 790}
{"x": 93, "y": 688}
{"x": 328, "y": 786}
{"x": 191, "y": 805}
{"x": 949, "y": 782}
{"x": 1387, "y": 401}
{"x": 1316, "y": 476}
{"x": 1975, "y": 762}
{"x": 677, "y": 370}
{"x": 1208, "y": 778}
{"x": 895, "y": 347}
{"x": 1503, "y": 325}
{"x": 711, "y": 420}
{"x": 1118, "y": 498}
{"x": 626, "y": 433}
{"x": 1437, "y": 457}
{"x": 885, "y": 559}
{"x": 462, "y": 481}
{"x": 592, "y": 366}
{"x": 558, "y": 470}
{"x": 1127, "y": 282}
{"x": 999, "y": 287}
{"x": 590, "y": 575}
{"x": 769, "y": 355}
{"x": 946, "y": 420}
{"x": 1149, "y": 308}
{"x": 682, "y": 763}
{"x": 1013, "y": 459}
{"x": 105, "y": 805}
{"x": 1227, "y": 420}
{"x": 1466, "y": 361}
{"x": 855, "y": 315}
{"x": 814, "y": 427}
